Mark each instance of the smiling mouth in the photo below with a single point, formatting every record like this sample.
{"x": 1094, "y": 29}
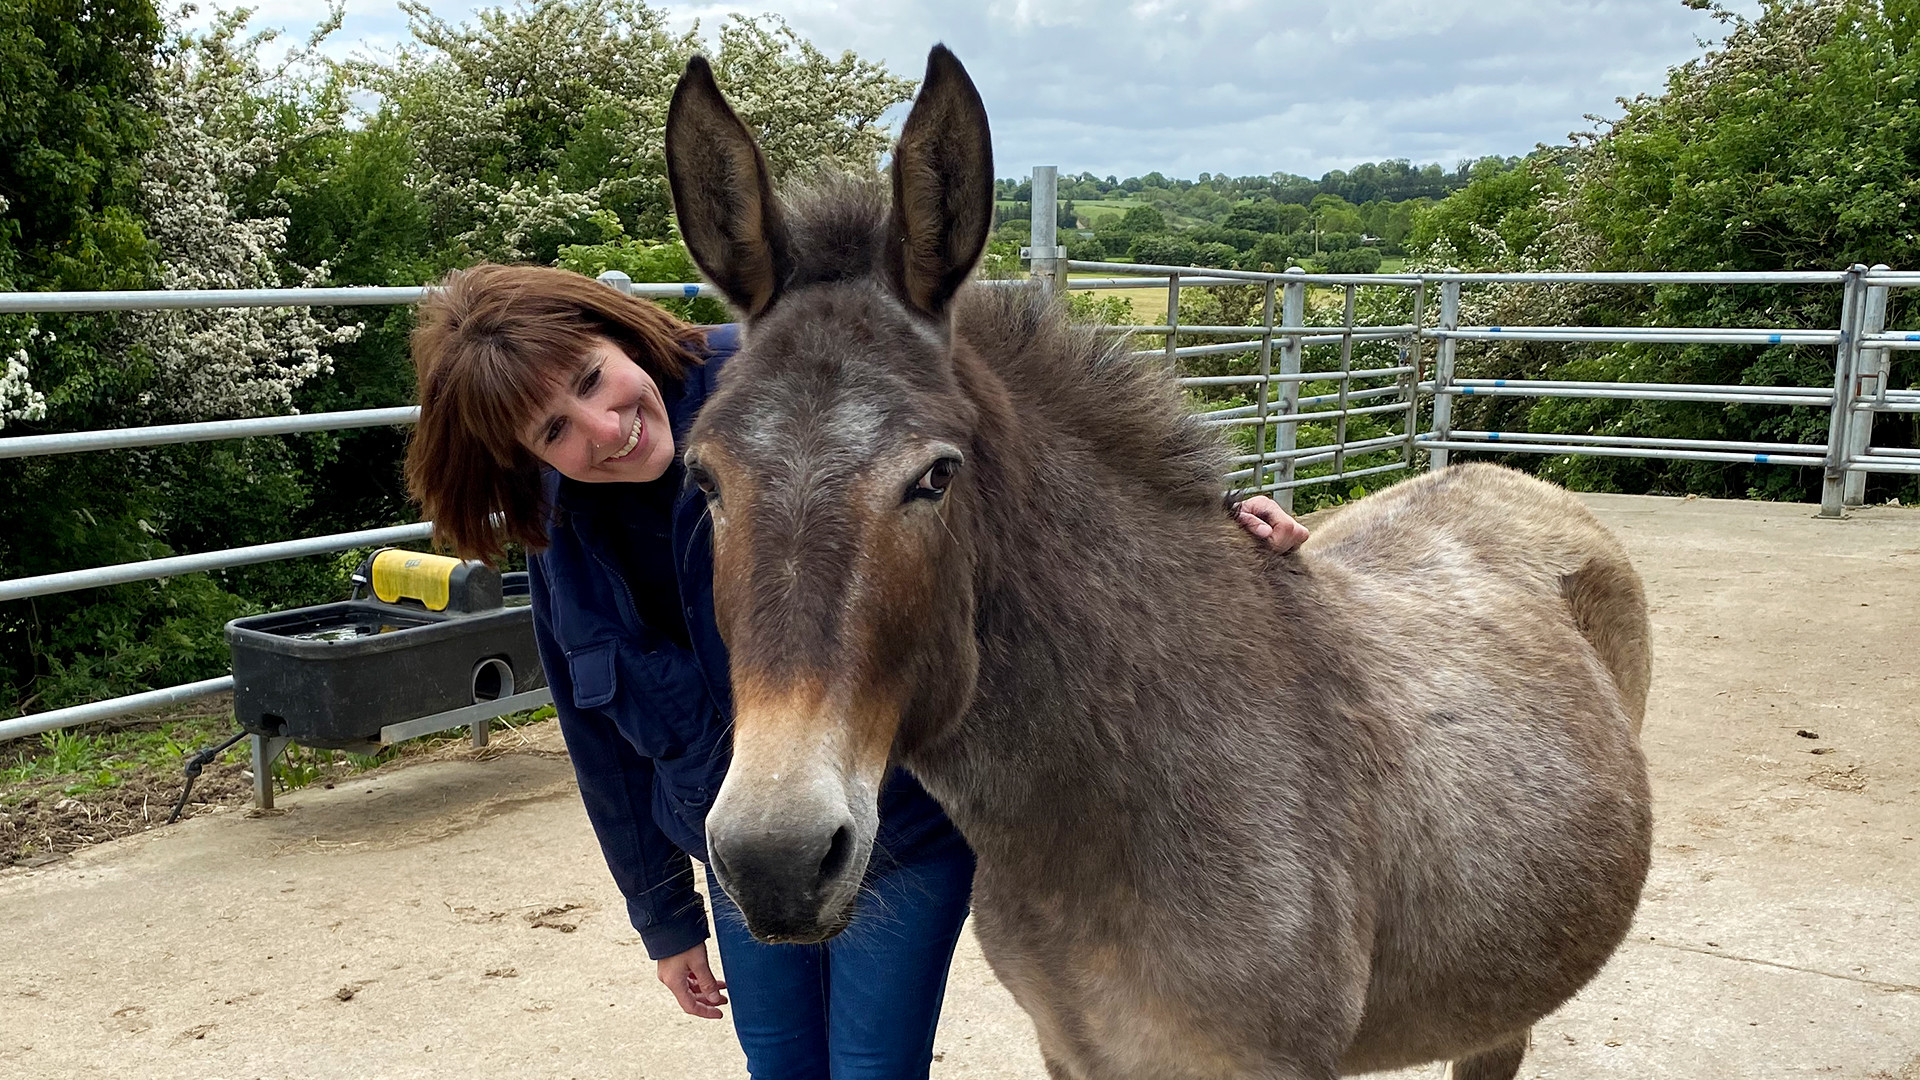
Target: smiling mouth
{"x": 633, "y": 440}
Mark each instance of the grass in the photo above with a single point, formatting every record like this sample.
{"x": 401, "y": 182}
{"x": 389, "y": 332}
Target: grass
{"x": 78, "y": 762}
{"x": 82, "y": 762}
{"x": 1149, "y": 305}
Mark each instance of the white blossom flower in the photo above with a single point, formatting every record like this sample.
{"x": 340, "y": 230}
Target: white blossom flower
{"x": 212, "y": 135}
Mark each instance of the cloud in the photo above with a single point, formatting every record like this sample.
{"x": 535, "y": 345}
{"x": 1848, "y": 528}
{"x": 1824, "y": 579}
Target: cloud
{"x": 1126, "y": 87}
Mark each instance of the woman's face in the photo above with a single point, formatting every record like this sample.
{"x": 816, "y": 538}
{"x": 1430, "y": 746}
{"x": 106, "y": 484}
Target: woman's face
{"x": 609, "y": 424}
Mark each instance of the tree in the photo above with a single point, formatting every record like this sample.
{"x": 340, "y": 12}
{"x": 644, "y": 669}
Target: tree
{"x": 1163, "y": 250}
{"x": 74, "y": 86}
{"x": 73, "y": 83}
{"x": 1500, "y": 210}
{"x": 1143, "y": 220}
{"x": 1259, "y": 216}
{"x": 1789, "y": 146}
{"x": 214, "y": 135}
{"x": 1358, "y": 260}
{"x": 544, "y": 125}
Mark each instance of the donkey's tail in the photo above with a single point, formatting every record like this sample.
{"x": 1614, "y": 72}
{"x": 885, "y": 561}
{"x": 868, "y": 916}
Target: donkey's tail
{"x": 1609, "y": 605}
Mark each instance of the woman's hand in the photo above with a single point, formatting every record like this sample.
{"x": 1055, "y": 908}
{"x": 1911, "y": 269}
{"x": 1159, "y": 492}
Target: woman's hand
{"x": 1263, "y": 518}
{"x": 692, "y": 982}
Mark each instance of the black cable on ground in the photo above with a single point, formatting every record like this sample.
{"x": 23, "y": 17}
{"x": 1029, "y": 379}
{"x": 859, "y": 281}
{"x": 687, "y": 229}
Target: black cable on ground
{"x": 197, "y": 762}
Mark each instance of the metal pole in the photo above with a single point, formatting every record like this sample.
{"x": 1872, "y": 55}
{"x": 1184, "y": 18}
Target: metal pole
{"x": 1046, "y": 256}
{"x": 264, "y": 750}
{"x": 1264, "y": 388}
{"x": 1346, "y": 384}
{"x": 1846, "y": 359}
{"x": 54, "y": 719}
{"x": 74, "y": 442}
{"x": 1443, "y": 371}
{"x": 174, "y": 565}
{"x": 1293, "y": 312}
{"x": 1173, "y": 318}
{"x": 1413, "y": 355}
{"x": 1875, "y": 366}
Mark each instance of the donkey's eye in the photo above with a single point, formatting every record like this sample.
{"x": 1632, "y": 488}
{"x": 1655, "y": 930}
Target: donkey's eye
{"x": 703, "y": 480}
{"x": 933, "y": 483}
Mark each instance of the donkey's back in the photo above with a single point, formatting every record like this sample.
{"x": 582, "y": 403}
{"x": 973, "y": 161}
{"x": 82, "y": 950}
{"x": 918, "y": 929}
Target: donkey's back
{"x": 1509, "y": 636}
{"x": 1476, "y": 540}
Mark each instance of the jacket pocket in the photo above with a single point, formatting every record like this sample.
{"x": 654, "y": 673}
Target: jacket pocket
{"x": 592, "y": 671}
{"x": 658, "y": 699}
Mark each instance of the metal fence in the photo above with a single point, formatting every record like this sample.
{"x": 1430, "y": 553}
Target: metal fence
{"x": 1322, "y": 403}
{"x": 1412, "y": 386}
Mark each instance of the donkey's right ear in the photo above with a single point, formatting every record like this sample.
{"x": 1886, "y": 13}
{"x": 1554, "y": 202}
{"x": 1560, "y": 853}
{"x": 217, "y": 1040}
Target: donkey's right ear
{"x": 723, "y": 194}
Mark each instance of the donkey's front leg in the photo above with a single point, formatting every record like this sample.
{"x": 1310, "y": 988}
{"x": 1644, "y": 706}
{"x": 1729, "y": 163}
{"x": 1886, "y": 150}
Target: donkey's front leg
{"x": 1056, "y": 1070}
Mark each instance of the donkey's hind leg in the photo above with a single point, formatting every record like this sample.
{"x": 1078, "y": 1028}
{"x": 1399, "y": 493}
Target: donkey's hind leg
{"x": 1500, "y": 1063}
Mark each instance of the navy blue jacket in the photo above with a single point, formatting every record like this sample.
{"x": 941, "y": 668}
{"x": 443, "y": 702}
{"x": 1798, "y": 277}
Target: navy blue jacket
{"x": 646, "y": 720}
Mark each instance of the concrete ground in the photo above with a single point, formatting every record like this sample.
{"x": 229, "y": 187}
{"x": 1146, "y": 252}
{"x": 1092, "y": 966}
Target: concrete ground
{"x": 454, "y": 917}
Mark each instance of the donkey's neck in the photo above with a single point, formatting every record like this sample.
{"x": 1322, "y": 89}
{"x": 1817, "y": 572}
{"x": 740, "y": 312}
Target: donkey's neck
{"x": 1120, "y": 628}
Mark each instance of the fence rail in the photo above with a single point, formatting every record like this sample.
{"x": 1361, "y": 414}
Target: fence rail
{"x": 1387, "y": 371}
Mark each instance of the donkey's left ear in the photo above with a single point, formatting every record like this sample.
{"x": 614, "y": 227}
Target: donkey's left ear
{"x": 942, "y": 188}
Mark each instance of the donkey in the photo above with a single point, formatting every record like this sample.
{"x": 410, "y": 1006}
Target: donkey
{"x": 1369, "y": 804}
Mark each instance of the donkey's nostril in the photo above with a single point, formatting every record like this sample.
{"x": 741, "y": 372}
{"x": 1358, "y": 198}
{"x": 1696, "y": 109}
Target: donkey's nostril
{"x": 839, "y": 851}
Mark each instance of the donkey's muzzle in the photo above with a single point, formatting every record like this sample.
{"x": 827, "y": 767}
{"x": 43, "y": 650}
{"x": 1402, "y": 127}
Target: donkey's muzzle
{"x": 794, "y": 886}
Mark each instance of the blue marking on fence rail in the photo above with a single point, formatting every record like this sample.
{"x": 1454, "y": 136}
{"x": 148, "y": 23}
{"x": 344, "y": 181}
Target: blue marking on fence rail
{"x": 690, "y": 291}
{"x": 1760, "y": 458}
{"x": 1466, "y": 389}
{"x": 1773, "y": 338}
{"x": 1493, "y": 329}
{"x": 1499, "y": 382}
{"x": 1493, "y": 436}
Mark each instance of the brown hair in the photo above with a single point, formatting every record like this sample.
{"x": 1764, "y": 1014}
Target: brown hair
{"x": 492, "y": 344}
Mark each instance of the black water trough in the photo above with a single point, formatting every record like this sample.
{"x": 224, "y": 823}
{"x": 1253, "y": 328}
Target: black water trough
{"x": 333, "y": 675}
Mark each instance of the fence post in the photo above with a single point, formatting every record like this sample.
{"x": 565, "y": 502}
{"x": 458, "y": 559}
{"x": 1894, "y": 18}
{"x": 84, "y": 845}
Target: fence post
{"x": 1046, "y": 257}
{"x": 1846, "y": 360}
{"x": 1874, "y": 365}
{"x": 617, "y": 279}
{"x": 1173, "y": 320}
{"x": 1265, "y": 388}
{"x": 1443, "y": 371}
{"x": 1346, "y": 384}
{"x": 1417, "y": 361}
{"x": 1293, "y": 314}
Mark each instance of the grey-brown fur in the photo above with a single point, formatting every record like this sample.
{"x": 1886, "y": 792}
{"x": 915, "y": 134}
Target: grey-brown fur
{"x": 1373, "y": 803}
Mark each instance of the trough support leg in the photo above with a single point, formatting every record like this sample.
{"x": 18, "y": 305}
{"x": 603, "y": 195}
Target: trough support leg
{"x": 264, "y": 751}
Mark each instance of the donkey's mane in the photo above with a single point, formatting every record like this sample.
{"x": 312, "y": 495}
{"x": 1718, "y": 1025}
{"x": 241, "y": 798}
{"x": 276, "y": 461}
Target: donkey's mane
{"x": 1127, "y": 411}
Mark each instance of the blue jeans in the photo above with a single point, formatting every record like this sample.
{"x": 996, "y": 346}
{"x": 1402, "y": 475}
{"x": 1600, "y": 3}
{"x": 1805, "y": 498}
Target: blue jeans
{"x": 864, "y": 1005}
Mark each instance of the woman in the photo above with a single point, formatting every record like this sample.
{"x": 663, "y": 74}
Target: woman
{"x": 551, "y": 407}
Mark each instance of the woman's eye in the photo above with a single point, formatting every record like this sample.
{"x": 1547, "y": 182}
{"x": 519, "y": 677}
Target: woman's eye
{"x": 553, "y": 431}
{"x": 592, "y": 380}
{"x": 933, "y": 483}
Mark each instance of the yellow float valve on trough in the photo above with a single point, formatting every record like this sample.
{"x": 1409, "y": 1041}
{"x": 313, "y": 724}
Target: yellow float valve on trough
{"x": 435, "y": 582}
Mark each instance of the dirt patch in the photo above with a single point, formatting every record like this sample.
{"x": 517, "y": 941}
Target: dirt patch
{"x": 1837, "y": 778}
{"x": 47, "y": 824}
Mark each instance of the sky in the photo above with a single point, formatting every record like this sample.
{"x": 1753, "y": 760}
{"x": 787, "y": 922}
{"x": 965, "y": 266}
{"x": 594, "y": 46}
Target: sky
{"x": 1242, "y": 87}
